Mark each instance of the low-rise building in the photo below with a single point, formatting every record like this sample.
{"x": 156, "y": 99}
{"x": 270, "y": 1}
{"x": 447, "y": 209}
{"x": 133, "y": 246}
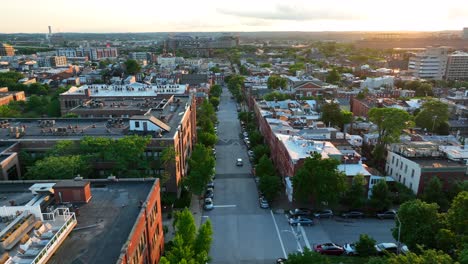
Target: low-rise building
{"x": 6, "y": 96}
{"x": 415, "y": 163}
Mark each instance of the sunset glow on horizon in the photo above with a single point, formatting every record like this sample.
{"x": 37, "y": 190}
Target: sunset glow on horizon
{"x": 241, "y": 15}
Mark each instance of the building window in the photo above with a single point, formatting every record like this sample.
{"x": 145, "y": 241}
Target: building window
{"x": 397, "y": 163}
{"x": 406, "y": 168}
{"x": 393, "y": 159}
{"x": 412, "y": 174}
{"x": 411, "y": 185}
{"x": 137, "y": 124}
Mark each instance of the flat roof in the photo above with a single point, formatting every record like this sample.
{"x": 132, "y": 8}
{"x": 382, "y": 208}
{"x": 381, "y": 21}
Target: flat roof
{"x": 104, "y": 224}
{"x": 133, "y": 89}
{"x": 437, "y": 163}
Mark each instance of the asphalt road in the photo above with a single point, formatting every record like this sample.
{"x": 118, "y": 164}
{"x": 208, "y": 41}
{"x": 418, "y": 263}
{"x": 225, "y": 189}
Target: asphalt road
{"x": 245, "y": 233}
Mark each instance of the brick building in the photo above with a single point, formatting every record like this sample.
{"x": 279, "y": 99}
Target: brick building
{"x": 6, "y": 97}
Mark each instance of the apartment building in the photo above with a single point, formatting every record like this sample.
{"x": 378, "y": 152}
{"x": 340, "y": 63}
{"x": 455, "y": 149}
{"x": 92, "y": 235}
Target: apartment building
{"x": 457, "y": 66}
{"x": 429, "y": 64}
{"x": 58, "y": 61}
{"x": 415, "y": 163}
{"x": 6, "y": 50}
{"x": 119, "y": 222}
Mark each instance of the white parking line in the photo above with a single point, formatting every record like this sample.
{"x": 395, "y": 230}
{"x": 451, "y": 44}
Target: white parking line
{"x": 306, "y": 240}
{"x": 278, "y": 233}
{"x": 224, "y": 205}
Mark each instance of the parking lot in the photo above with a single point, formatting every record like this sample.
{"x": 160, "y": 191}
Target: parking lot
{"x": 337, "y": 230}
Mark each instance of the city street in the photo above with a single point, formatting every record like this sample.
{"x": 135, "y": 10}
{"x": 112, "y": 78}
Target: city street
{"x": 245, "y": 233}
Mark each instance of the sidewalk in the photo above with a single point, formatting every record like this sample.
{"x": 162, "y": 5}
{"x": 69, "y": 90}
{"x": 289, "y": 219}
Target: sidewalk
{"x": 196, "y": 209}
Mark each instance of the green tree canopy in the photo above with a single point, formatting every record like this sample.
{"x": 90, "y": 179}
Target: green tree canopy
{"x": 214, "y": 101}
{"x": 276, "y": 81}
{"x": 365, "y": 247}
{"x": 433, "y": 193}
{"x": 132, "y": 66}
{"x": 216, "y": 90}
{"x": 259, "y": 151}
{"x": 356, "y": 194}
{"x": 201, "y": 169}
{"x": 433, "y": 114}
{"x": 319, "y": 179}
{"x": 333, "y": 77}
{"x": 270, "y": 186}
{"x": 308, "y": 256}
{"x": 265, "y": 167}
{"x": 457, "y": 215}
{"x": 419, "y": 224}
{"x": 429, "y": 256}
{"x": 380, "y": 198}
{"x": 58, "y": 167}
{"x": 390, "y": 123}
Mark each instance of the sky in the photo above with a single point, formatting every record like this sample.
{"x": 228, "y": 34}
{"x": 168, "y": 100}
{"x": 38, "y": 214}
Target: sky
{"x": 33, "y": 16}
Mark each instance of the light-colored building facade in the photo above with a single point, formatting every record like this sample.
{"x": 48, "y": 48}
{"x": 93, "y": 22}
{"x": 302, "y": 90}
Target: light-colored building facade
{"x": 373, "y": 83}
{"x": 457, "y": 66}
{"x": 429, "y": 64}
{"x": 7, "y": 50}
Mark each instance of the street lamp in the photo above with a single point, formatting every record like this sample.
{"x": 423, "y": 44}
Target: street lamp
{"x": 399, "y": 230}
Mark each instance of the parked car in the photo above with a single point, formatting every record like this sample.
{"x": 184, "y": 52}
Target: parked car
{"x": 209, "y": 193}
{"x": 329, "y": 249}
{"x": 208, "y": 205}
{"x": 384, "y": 248}
{"x": 390, "y": 214}
{"x": 210, "y": 185}
{"x": 246, "y": 135}
{"x": 239, "y": 162}
{"x": 350, "y": 249}
{"x": 353, "y": 214}
{"x": 250, "y": 153}
{"x": 263, "y": 203}
{"x": 300, "y": 220}
{"x": 300, "y": 212}
{"x": 281, "y": 261}
{"x": 327, "y": 213}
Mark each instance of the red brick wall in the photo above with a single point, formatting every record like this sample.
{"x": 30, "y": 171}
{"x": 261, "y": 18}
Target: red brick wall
{"x": 147, "y": 229}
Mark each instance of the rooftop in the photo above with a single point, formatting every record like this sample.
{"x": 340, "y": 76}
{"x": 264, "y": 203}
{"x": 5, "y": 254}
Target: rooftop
{"x": 104, "y": 224}
{"x": 133, "y": 89}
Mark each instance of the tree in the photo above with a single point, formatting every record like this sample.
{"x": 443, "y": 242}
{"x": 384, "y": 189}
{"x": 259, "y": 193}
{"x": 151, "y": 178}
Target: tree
{"x": 265, "y": 167}
{"x": 390, "y": 123}
{"x": 308, "y": 256}
{"x": 365, "y": 247}
{"x": 296, "y": 67}
{"x": 201, "y": 169}
{"x": 185, "y": 227}
{"x": 132, "y": 67}
{"x": 429, "y": 256}
{"x": 331, "y": 114}
{"x": 216, "y": 90}
{"x": 433, "y": 193}
{"x": 64, "y": 148}
{"x": 319, "y": 179}
{"x": 276, "y": 81}
{"x": 275, "y": 95}
{"x": 419, "y": 224}
{"x": 259, "y": 151}
{"x": 206, "y": 115}
{"x": 380, "y": 197}
{"x": 61, "y": 167}
{"x": 333, "y": 77}
{"x": 6, "y": 111}
{"x": 256, "y": 138}
{"x": 433, "y": 114}
{"x": 457, "y": 215}
{"x": 214, "y": 101}
{"x": 206, "y": 138}
{"x": 189, "y": 246}
{"x": 270, "y": 186}
{"x": 356, "y": 194}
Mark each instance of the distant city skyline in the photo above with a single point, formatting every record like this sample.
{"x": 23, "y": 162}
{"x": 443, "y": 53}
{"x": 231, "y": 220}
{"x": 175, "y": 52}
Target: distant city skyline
{"x": 31, "y": 16}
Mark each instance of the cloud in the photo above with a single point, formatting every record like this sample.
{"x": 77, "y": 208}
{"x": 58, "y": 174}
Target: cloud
{"x": 293, "y": 12}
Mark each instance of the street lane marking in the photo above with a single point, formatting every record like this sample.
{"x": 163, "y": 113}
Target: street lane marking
{"x": 278, "y": 233}
{"x": 224, "y": 206}
{"x": 306, "y": 240}
{"x": 205, "y": 216}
